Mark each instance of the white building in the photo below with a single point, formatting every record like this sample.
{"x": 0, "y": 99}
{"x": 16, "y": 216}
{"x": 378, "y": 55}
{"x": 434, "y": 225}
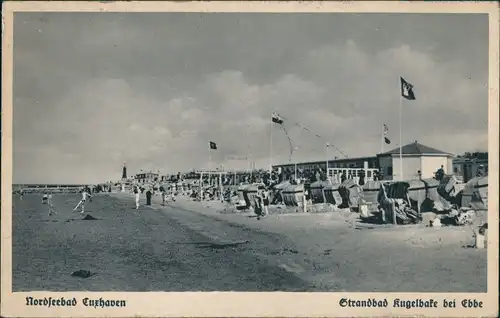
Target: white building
{"x": 415, "y": 157}
{"x": 146, "y": 177}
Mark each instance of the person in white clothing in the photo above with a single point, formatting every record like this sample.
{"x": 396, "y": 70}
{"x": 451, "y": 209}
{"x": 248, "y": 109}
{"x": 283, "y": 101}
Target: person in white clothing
{"x": 51, "y": 206}
{"x": 265, "y": 201}
{"x": 137, "y": 193}
{"x": 163, "y": 195}
{"x": 85, "y": 196}
{"x": 306, "y": 199}
{"x": 172, "y": 193}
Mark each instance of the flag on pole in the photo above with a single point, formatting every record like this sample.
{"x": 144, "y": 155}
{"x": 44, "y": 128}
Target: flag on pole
{"x": 384, "y": 134}
{"x": 276, "y": 119}
{"x": 213, "y": 145}
{"x": 407, "y": 90}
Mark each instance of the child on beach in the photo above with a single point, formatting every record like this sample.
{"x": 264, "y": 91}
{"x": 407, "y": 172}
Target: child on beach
{"x": 265, "y": 202}
{"x": 51, "y": 206}
{"x": 87, "y": 189}
{"x": 137, "y": 197}
{"x": 85, "y": 196}
{"x": 261, "y": 203}
{"x": 172, "y": 193}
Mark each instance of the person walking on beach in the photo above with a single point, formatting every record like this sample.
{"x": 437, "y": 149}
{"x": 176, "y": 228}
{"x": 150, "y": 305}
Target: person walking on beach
{"x": 50, "y": 204}
{"x": 87, "y": 189}
{"x": 137, "y": 193}
{"x": 148, "y": 197}
{"x": 172, "y": 193}
{"x": 265, "y": 202}
{"x": 85, "y": 196}
{"x": 163, "y": 195}
{"x": 258, "y": 201}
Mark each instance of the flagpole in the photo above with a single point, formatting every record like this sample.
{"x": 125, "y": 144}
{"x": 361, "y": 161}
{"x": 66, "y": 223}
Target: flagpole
{"x": 401, "y": 137}
{"x": 326, "y": 154}
{"x": 295, "y": 166}
{"x": 201, "y": 185}
{"x": 221, "y": 188}
{"x": 209, "y": 165}
{"x": 248, "y": 147}
{"x": 382, "y": 140}
{"x": 271, "y": 146}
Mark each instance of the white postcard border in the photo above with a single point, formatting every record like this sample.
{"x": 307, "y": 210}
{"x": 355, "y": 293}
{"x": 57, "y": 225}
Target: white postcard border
{"x": 215, "y": 304}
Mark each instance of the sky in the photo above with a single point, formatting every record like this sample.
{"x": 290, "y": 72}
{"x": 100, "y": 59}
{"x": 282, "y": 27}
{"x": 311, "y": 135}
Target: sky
{"x": 95, "y": 90}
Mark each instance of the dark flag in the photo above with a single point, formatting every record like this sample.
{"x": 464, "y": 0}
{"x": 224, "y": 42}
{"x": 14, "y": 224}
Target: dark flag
{"x": 407, "y": 90}
{"x": 276, "y": 119}
{"x": 213, "y": 145}
{"x": 386, "y": 129}
{"x": 387, "y": 141}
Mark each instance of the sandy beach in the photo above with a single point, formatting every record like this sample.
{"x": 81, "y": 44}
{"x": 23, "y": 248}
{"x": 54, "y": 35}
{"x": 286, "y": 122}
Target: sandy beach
{"x": 189, "y": 245}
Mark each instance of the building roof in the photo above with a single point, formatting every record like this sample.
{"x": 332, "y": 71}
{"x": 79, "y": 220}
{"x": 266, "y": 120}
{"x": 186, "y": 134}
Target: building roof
{"x": 469, "y": 160}
{"x": 318, "y": 162}
{"x": 416, "y": 148}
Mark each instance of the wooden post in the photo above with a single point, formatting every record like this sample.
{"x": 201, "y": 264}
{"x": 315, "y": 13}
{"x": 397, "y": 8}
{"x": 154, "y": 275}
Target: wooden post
{"x": 304, "y": 200}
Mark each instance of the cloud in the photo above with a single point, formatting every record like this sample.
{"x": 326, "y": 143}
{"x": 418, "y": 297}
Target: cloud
{"x": 114, "y": 111}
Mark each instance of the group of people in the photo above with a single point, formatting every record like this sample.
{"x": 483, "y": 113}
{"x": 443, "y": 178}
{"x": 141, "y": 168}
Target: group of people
{"x": 263, "y": 200}
{"x": 439, "y": 174}
{"x": 47, "y": 199}
{"x": 165, "y": 194}
{"x": 481, "y": 171}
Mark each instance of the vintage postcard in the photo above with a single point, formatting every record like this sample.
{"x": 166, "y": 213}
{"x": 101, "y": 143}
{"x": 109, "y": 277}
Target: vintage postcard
{"x": 256, "y": 159}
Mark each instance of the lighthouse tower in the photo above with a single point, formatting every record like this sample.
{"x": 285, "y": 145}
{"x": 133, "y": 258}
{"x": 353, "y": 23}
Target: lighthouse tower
{"x": 124, "y": 176}
{"x": 124, "y": 171}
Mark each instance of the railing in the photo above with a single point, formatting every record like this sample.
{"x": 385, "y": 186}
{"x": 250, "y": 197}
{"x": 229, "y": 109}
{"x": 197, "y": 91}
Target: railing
{"x": 335, "y": 174}
{"x": 50, "y": 187}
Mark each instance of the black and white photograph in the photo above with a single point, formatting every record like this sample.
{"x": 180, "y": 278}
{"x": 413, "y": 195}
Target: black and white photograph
{"x": 204, "y": 151}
